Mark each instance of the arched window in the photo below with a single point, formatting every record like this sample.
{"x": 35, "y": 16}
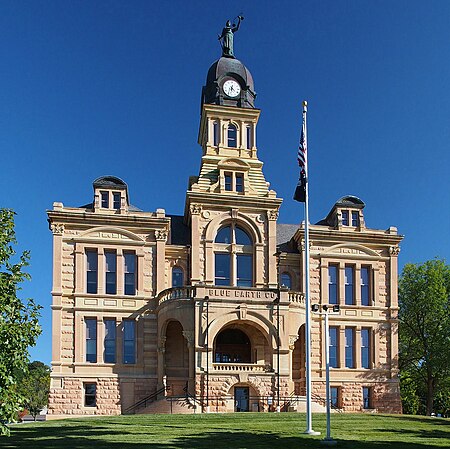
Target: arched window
{"x": 233, "y": 257}
{"x": 232, "y": 136}
{"x": 177, "y": 277}
{"x": 286, "y": 280}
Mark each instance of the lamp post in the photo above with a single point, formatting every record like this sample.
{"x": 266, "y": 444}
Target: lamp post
{"x": 326, "y": 310}
{"x": 207, "y": 353}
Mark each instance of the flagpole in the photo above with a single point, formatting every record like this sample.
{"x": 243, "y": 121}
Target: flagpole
{"x": 309, "y": 430}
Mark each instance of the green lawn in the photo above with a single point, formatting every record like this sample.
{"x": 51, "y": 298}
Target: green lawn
{"x": 238, "y": 430}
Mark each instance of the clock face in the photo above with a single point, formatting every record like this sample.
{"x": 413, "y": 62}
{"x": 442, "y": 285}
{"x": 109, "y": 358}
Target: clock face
{"x": 231, "y": 88}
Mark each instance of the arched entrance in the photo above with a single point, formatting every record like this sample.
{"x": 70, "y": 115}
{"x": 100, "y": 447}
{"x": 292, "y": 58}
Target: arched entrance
{"x": 232, "y": 346}
{"x": 176, "y": 358}
{"x": 299, "y": 363}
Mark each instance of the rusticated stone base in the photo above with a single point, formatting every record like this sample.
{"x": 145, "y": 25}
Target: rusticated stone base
{"x": 385, "y": 396}
{"x": 262, "y": 388}
{"x": 68, "y": 397}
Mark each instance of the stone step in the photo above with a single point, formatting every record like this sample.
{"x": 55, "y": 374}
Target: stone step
{"x": 175, "y": 405}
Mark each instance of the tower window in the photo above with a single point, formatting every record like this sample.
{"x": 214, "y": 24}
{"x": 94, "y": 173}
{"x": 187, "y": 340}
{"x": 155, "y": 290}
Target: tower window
{"x": 234, "y": 182}
{"x": 232, "y": 136}
{"x": 249, "y": 138}
{"x": 216, "y": 133}
{"x": 233, "y": 257}
{"x": 228, "y": 182}
{"x": 177, "y": 277}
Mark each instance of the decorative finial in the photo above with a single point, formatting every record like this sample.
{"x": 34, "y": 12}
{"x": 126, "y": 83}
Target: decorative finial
{"x": 227, "y": 36}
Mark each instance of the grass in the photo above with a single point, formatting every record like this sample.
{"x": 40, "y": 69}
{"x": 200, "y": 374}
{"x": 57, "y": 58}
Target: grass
{"x": 230, "y": 431}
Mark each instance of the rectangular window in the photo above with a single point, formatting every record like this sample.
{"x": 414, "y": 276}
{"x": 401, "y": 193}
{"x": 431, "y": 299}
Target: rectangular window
{"x": 91, "y": 271}
{"x": 105, "y": 199}
{"x": 216, "y": 133}
{"x": 111, "y": 275}
{"x": 365, "y": 348}
{"x": 345, "y": 218}
{"x": 116, "y": 200}
{"x": 232, "y": 136}
{"x": 367, "y": 397}
{"x": 249, "y": 138}
{"x": 90, "y": 395}
{"x": 349, "y": 286}
{"x": 110, "y": 341}
{"x": 228, "y": 182}
{"x": 332, "y": 284}
{"x": 349, "y": 347}
{"x": 222, "y": 269}
{"x": 244, "y": 270}
{"x": 355, "y": 219}
{"x": 365, "y": 286}
{"x": 333, "y": 348}
{"x": 334, "y": 396}
{"x": 91, "y": 340}
{"x": 129, "y": 273}
{"x": 129, "y": 341}
{"x": 239, "y": 182}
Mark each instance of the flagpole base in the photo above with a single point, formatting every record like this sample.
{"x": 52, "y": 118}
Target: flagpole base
{"x": 311, "y": 432}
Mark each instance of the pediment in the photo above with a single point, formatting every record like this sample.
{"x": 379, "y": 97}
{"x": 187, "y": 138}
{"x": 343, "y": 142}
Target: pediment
{"x": 351, "y": 249}
{"x": 233, "y": 162}
{"x": 110, "y": 233}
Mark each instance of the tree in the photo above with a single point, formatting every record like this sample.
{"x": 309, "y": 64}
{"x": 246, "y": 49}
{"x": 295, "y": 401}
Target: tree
{"x": 19, "y": 327}
{"x": 34, "y": 387}
{"x": 424, "y": 331}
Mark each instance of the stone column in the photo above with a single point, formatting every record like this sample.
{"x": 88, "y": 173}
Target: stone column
{"x": 189, "y": 336}
{"x": 341, "y": 346}
{"x": 161, "y": 238}
{"x": 292, "y": 340}
{"x": 101, "y": 276}
{"x": 358, "y": 362}
{"x": 195, "y": 210}
{"x": 120, "y": 272}
{"x": 79, "y": 269}
{"x": 57, "y": 230}
{"x": 272, "y": 216}
{"x": 393, "y": 309}
{"x": 161, "y": 361}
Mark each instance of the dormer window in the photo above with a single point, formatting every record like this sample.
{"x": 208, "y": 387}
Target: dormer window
{"x": 345, "y": 218}
{"x": 355, "y": 218}
{"x": 105, "y": 200}
{"x": 116, "y": 200}
{"x": 232, "y": 136}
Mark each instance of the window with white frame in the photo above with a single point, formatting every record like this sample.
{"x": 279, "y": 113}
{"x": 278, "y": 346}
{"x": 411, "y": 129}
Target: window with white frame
{"x": 234, "y": 182}
{"x": 91, "y": 270}
{"x": 110, "y": 272}
{"x": 232, "y": 136}
{"x": 130, "y": 277}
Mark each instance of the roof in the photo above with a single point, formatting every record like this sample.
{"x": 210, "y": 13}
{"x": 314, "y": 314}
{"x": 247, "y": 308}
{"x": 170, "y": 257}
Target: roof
{"x": 110, "y": 182}
{"x": 180, "y": 234}
{"x": 285, "y": 232}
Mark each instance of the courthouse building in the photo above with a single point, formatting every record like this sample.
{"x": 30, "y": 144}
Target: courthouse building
{"x": 207, "y": 308}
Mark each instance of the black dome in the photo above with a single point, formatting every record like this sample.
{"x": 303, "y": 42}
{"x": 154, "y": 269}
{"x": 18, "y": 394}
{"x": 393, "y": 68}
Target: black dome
{"x": 221, "y": 70}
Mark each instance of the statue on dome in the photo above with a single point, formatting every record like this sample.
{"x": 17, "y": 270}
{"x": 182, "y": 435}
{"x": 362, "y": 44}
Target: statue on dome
{"x": 227, "y": 37}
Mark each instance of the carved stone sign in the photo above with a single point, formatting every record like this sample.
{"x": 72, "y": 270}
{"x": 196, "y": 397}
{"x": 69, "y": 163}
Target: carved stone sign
{"x": 235, "y": 293}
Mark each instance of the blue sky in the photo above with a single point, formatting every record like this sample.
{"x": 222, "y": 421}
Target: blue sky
{"x": 113, "y": 87}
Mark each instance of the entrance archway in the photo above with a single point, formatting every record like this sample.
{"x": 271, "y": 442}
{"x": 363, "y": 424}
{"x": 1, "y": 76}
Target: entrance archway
{"x": 176, "y": 358}
{"x": 299, "y": 363}
{"x": 233, "y": 346}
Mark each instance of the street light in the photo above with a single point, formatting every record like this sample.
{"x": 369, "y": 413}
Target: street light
{"x": 326, "y": 310}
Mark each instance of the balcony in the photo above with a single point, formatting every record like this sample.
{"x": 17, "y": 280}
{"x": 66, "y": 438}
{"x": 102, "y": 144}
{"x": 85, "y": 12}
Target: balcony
{"x": 296, "y": 297}
{"x": 241, "y": 367}
{"x": 176, "y": 293}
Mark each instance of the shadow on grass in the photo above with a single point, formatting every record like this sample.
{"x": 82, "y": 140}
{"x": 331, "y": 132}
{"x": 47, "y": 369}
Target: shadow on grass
{"x": 80, "y": 436}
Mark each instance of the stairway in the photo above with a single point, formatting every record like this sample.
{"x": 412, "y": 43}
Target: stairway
{"x": 171, "y": 404}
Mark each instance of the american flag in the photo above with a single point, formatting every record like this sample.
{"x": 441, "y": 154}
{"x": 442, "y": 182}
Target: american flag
{"x": 300, "y": 190}
{"x": 301, "y": 155}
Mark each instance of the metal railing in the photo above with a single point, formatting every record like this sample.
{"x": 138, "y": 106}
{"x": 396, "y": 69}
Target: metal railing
{"x": 142, "y": 403}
